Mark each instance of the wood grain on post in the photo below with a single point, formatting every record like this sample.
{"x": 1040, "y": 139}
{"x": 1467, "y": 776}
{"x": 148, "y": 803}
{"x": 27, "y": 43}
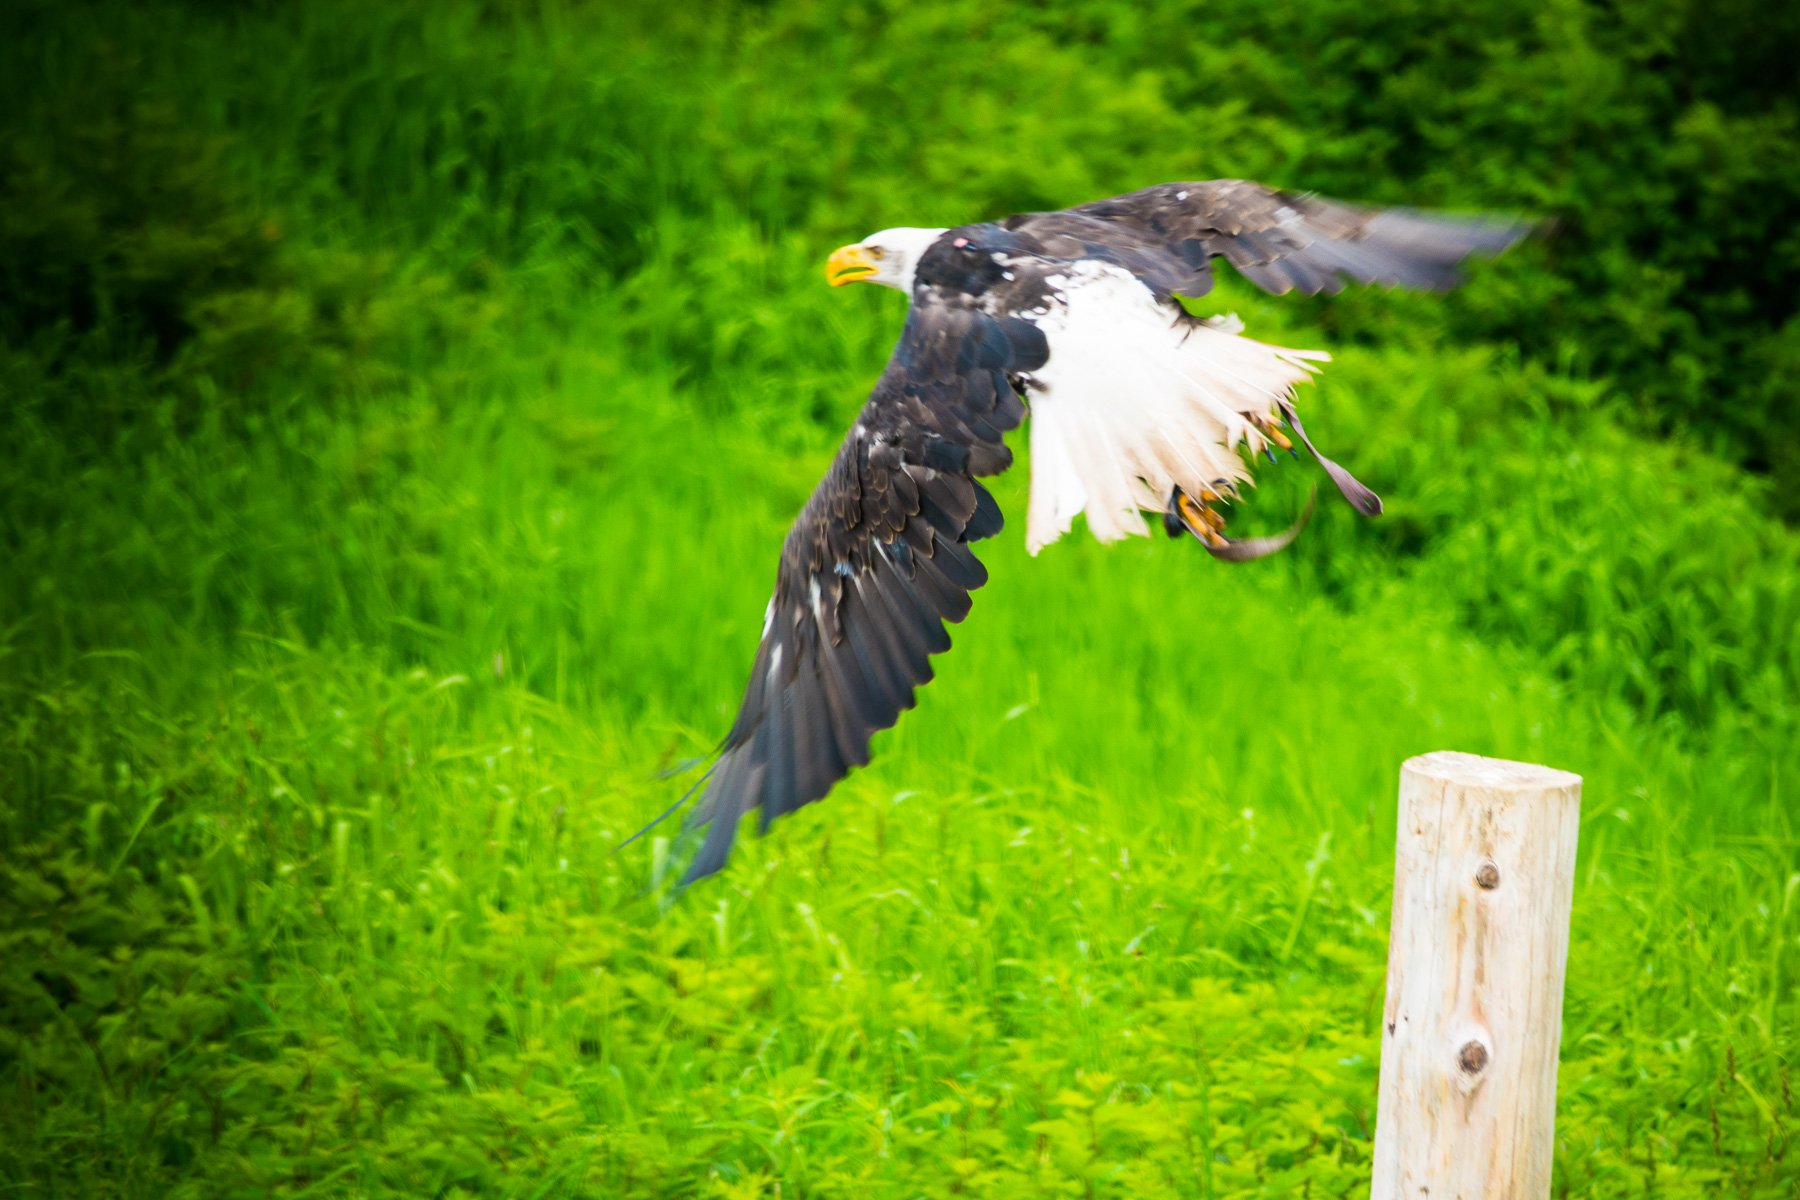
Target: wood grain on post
{"x": 1484, "y": 871}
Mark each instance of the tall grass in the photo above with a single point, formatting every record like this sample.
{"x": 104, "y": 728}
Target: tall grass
{"x": 359, "y": 596}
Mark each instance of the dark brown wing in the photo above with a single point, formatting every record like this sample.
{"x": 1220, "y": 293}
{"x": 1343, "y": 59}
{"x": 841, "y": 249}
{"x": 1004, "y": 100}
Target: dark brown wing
{"x": 1169, "y": 234}
{"x": 876, "y": 563}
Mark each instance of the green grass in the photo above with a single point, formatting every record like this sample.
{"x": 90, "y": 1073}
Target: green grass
{"x": 347, "y": 630}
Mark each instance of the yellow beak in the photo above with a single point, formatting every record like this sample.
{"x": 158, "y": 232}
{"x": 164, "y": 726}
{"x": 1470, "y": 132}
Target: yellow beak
{"x": 848, "y": 264}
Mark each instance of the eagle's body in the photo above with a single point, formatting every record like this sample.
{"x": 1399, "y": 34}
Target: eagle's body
{"x": 1135, "y": 406}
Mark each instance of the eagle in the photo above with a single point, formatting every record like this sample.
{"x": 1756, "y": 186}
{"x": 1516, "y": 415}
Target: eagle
{"x": 1136, "y": 406}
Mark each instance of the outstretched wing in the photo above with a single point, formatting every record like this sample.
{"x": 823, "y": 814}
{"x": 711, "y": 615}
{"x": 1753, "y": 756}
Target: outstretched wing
{"x": 1169, "y": 234}
{"x": 875, "y": 564}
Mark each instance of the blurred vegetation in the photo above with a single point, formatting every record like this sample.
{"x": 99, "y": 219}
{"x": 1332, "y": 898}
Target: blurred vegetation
{"x": 403, "y": 406}
{"x": 1660, "y": 138}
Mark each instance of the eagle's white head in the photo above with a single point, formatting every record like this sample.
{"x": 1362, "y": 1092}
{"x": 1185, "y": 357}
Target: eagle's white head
{"x": 889, "y": 258}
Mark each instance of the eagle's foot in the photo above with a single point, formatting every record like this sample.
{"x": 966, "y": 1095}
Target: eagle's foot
{"x": 1196, "y": 517}
{"x": 1271, "y": 431}
{"x": 1199, "y": 519}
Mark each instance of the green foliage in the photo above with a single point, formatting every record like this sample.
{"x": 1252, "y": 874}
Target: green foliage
{"x": 1578, "y": 540}
{"x": 404, "y": 405}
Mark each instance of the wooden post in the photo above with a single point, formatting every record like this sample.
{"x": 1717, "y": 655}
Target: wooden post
{"x": 1484, "y": 870}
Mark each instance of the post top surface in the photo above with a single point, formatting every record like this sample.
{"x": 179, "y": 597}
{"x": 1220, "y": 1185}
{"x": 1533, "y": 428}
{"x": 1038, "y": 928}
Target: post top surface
{"x": 1472, "y": 770}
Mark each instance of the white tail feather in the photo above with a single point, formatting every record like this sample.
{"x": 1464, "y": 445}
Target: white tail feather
{"x": 1132, "y": 405}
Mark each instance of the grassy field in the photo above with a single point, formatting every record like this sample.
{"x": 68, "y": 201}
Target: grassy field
{"x": 403, "y": 409}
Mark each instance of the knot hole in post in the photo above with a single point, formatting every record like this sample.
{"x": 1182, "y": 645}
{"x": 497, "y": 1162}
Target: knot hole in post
{"x": 1487, "y": 875}
{"x": 1472, "y": 1058}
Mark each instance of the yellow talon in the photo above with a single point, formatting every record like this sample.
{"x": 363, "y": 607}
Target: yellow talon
{"x": 1271, "y": 429}
{"x": 1199, "y": 518}
{"x": 1190, "y": 512}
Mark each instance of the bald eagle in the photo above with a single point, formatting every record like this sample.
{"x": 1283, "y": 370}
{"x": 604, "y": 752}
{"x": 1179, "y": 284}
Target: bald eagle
{"x": 1136, "y": 406}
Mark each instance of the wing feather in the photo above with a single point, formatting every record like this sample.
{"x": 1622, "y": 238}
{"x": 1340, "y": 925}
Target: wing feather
{"x": 876, "y": 563}
{"x": 1169, "y": 234}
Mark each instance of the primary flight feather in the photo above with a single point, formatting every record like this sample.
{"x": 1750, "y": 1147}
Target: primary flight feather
{"x": 1135, "y": 405}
